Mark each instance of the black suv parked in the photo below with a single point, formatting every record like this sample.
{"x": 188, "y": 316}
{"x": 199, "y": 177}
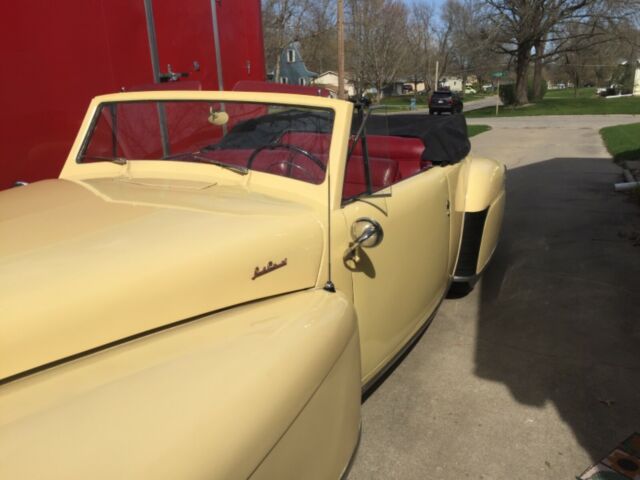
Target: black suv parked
{"x": 445, "y": 101}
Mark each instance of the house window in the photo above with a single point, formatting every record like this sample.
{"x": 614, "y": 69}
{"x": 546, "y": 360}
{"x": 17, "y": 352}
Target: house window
{"x": 301, "y": 81}
{"x": 291, "y": 55}
{"x": 284, "y": 80}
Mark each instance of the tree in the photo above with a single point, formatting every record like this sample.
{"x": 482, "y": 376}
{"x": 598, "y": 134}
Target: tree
{"x": 282, "y": 22}
{"x": 421, "y": 42}
{"x": 376, "y": 41}
{"x": 529, "y": 30}
{"x": 464, "y": 47}
{"x": 319, "y": 36}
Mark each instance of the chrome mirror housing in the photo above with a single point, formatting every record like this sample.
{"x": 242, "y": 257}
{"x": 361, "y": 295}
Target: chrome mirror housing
{"x": 366, "y": 233}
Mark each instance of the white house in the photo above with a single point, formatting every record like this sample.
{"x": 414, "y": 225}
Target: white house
{"x": 329, "y": 80}
{"x": 636, "y": 79}
{"x": 452, "y": 83}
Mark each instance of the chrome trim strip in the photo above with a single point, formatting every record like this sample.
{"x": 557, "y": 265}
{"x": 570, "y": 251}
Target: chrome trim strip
{"x": 347, "y": 468}
{"x": 216, "y": 44}
{"x": 467, "y": 279}
{"x": 153, "y": 40}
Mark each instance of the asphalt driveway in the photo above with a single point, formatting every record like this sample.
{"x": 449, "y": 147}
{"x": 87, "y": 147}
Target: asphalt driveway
{"x": 536, "y": 373}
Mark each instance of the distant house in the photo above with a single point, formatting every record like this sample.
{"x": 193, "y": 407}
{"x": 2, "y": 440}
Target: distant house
{"x": 293, "y": 71}
{"x": 329, "y": 80}
{"x": 392, "y": 89}
{"x": 452, "y": 83}
{"x": 417, "y": 86}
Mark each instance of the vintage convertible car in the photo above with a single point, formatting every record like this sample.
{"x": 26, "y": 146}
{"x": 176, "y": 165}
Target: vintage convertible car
{"x": 216, "y": 277}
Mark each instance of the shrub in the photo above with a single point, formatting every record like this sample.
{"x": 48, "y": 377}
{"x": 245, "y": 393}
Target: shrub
{"x": 508, "y": 92}
{"x": 530, "y": 89}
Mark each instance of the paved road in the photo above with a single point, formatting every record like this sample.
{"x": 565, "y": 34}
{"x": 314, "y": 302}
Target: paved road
{"x": 468, "y": 106}
{"x": 482, "y": 103}
{"x": 536, "y": 373}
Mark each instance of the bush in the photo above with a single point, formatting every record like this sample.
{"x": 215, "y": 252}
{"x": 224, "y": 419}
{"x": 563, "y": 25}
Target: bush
{"x": 508, "y": 92}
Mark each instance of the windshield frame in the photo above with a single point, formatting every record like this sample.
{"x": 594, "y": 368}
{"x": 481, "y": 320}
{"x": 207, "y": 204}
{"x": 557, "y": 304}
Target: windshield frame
{"x": 198, "y": 155}
{"x": 271, "y": 184}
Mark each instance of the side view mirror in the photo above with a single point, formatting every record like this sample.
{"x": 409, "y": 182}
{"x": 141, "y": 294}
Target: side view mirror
{"x": 366, "y": 233}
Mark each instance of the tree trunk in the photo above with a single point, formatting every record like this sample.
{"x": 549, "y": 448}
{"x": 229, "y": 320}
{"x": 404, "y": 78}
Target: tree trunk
{"x": 378, "y": 91}
{"x": 522, "y": 69}
{"x": 276, "y": 73}
{"x": 537, "y": 70}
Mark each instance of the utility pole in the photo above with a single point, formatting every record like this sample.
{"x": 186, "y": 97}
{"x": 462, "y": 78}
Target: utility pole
{"x": 341, "y": 49}
{"x": 436, "y": 84}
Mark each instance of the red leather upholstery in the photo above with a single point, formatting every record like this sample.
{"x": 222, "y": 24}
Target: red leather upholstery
{"x": 288, "y": 163}
{"x": 406, "y": 151}
{"x": 384, "y": 172}
{"x": 310, "y": 141}
{"x": 390, "y": 159}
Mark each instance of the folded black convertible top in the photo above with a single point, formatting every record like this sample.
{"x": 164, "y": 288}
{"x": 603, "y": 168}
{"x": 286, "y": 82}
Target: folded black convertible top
{"x": 445, "y": 137}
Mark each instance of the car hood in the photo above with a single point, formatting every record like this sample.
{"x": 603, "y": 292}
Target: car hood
{"x": 85, "y": 264}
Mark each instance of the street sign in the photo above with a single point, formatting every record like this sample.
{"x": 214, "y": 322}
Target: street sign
{"x": 497, "y": 74}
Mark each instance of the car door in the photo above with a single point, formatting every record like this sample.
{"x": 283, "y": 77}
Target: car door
{"x": 399, "y": 283}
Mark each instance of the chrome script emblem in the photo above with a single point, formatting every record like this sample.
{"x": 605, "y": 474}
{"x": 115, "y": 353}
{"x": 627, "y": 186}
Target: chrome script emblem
{"x": 270, "y": 267}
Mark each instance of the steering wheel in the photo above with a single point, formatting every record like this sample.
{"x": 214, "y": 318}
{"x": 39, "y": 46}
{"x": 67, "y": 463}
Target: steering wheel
{"x": 286, "y": 146}
{"x": 305, "y": 174}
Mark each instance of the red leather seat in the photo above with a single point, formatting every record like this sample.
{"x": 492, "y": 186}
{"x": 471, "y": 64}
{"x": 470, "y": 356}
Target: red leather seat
{"x": 310, "y": 141}
{"x": 288, "y": 163}
{"x": 384, "y": 172}
{"x": 405, "y": 151}
{"x": 390, "y": 160}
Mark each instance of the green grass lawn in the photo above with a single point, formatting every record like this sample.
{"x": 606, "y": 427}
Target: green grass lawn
{"x": 622, "y": 141}
{"x": 565, "y": 102}
{"x": 469, "y": 97}
{"x": 586, "y": 92}
{"x": 473, "y": 130}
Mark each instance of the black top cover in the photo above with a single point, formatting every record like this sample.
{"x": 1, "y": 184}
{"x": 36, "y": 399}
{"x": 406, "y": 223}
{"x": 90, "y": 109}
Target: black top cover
{"x": 267, "y": 129}
{"x": 445, "y": 137}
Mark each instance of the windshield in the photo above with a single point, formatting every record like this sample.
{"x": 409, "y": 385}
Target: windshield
{"x": 291, "y": 141}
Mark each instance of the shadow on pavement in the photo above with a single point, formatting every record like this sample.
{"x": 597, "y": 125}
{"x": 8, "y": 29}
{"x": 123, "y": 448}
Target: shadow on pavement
{"x": 559, "y": 316}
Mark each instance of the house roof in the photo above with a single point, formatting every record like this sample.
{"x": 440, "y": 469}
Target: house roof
{"x": 296, "y": 68}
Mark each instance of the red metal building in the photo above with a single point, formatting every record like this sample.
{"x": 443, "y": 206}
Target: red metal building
{"x": 56, "y": 56}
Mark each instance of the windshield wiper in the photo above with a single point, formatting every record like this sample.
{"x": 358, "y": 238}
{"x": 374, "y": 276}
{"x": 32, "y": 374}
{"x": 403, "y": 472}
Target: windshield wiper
{"x": 118, "y": 160}
{"x": 196, "y": 156}
{"x": 234, "y": 168}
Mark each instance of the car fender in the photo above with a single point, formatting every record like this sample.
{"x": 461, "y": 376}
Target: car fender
{"x": 485, "y": 183}
{"x": 214, "y": 397}
{"x": 484, "y": 203}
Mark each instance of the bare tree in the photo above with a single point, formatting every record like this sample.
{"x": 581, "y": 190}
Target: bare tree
{"x": 529, "y": 30}
{"x": 319, "y": 37}
{"x": 467, "y": 49}
{"x": 420, "y": 60}
{"x": 376, "y": 46}
{"x": 282, "y": 22}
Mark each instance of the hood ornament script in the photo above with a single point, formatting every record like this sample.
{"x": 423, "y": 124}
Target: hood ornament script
{"x": 270, "y": 267}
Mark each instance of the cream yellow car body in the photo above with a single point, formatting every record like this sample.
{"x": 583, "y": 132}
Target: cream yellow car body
{"x": 134, "y": 360}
